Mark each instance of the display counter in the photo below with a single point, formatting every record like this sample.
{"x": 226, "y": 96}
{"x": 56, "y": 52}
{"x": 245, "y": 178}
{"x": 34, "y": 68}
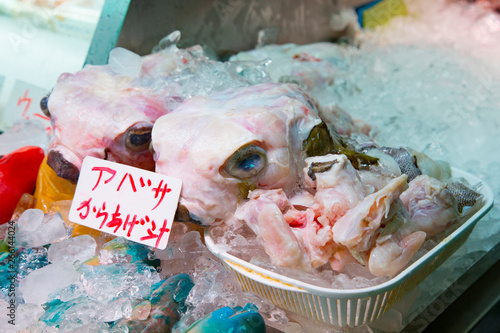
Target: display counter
{"x": 420, "y": 80}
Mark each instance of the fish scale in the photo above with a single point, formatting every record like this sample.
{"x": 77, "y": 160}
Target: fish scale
{"x": 464, "y": 195}
{"x": 405, "y": 161}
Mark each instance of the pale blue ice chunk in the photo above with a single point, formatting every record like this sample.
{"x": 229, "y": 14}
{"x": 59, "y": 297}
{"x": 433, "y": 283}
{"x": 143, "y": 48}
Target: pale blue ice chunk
{"x": 39, "y": 284}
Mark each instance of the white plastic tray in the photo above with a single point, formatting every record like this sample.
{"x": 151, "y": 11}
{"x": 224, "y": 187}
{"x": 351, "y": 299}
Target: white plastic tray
{"x": 352, "y": 307}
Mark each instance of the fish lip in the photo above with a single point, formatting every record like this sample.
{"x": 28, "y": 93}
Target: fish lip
{"x": 62, "y": 167}
{"x": 182, "y": 214}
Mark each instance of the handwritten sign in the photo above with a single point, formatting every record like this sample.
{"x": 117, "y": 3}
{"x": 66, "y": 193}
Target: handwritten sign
{"x": 125, "y": 201}
{"x": 24, "y": 103}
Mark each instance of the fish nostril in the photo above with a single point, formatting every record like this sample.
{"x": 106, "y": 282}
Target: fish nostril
{"x": 62, "y": 167}
{"x": 106, "y": 153}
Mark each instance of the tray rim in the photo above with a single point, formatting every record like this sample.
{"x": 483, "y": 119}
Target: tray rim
{"x": 277, "y": 280}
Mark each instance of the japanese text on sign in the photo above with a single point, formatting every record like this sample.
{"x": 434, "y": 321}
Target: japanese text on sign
{"x": 24, "y": 104}
{"x": 125, "y": 201}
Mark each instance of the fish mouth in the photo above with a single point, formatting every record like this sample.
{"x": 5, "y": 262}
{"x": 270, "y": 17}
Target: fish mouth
{"x": 62, "y": 167}
{"x": 183, "y": 215}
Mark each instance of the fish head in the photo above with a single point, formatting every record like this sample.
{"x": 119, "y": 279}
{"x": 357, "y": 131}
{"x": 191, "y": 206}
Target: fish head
{"x": 223, "y": 145}
{"x": 97, "y": 113}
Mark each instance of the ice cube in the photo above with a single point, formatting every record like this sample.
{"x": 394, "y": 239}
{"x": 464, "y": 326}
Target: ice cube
{"x": 32, "y": 232}
{"x": 27, "y": 315}
{"x": 30, "y": 220}
{"x": 69, "y": 293}
{"x": 181, "y": 255}
{"x": 214, "y": 287}
{"x": 125, "y": 62}
{"x": 55, "y": 311}
{"x": 77, "y": 328}
{"x": 5, "y": 312}
{"x": 117, "y": 309}
{"x": 73, "y": 250}
{"x": 205, "y": 76}
{"x": 114, "y": 251}
{"x": 342, "y": 281}
{"x": 31, "y": 259}
{"x": 76, "y": 316}
{"x": 105, "y": 283}
{"x": 51, "y": 229}
{"x": 41, "y": 327}
{"x": 120, "y": 250}
{"x": 171, "y": 39}
{"x": 85, "y": 315}
{"x": 357, "y": 270}
{"x": 267, "y": 309}
{"x": 191, "y": 243}
{"x": 216, "y": 232}
{"x": 239, "y": 241}
{"x": 39, "y": 284}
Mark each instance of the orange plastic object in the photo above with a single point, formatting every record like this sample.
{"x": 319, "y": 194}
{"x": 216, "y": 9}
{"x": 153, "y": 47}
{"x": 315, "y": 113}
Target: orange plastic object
{"x": 54, "y": 193}
{"x": 18, "y": 172}
{"x": 93, "y": 262}
{"x": 79, "y": 230}
{"x": 62, "y": 207}
{"x": 27, "y": 201}
{"x": 51, "y": 188}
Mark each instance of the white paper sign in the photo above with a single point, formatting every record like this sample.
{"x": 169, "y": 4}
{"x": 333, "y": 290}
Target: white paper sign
{"x": 125, "y": 201}
{"x": 24, "y": 103}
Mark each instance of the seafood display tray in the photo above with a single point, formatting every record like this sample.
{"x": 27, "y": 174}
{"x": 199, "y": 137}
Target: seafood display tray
{"x": 352, "y": 307}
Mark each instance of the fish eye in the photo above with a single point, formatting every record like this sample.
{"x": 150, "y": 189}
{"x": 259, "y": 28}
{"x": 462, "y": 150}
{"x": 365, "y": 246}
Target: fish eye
{"x": 246, "y": 162}
{"x": 138, "y": 137}
{"x": 44, "y": 105}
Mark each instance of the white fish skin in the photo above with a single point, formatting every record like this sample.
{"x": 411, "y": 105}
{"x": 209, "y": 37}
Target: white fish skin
{"x": 357, "y": 229}
{"x": 341, "y": 225}
{"x": 196, "y": 140}
{"x": 431, "y": 205}
{"x": 338, "y": 187}
{"x": 379, "y": 232}
{"x": 92, "y": 109}
{"x": 396, "y": 243}
{"x": 263, "y": 213}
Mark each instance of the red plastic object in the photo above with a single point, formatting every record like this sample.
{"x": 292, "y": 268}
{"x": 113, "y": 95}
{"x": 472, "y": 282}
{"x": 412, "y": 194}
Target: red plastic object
{"x": 18, "y": 172}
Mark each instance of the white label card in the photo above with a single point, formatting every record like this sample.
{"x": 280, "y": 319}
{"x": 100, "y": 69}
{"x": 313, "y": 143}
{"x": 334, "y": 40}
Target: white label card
{"x": 125, "y": 201}
{"x": 24, "y": 103}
